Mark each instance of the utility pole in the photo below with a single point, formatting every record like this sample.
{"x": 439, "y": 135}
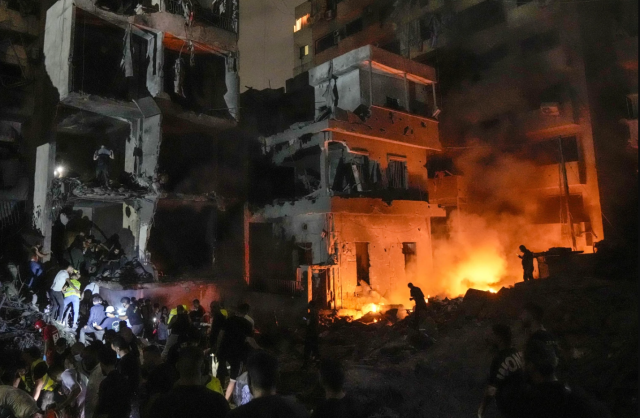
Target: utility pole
{"x": 563, "y": 169}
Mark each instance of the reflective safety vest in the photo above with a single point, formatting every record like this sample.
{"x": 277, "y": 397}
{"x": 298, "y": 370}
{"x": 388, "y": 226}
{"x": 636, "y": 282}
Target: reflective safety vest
{"x": 71, "y": 291}
{"x": 173, "y": 312}
{"x": 214, "y": 385}
{"x": 49, "y": 384}
{"x": 224, "y": 312}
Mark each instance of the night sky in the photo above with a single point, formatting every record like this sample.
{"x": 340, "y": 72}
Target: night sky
{"x": 266, "y": 42}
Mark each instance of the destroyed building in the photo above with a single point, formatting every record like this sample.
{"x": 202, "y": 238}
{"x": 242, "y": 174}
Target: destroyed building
{"x": 561, "y": 94}
{"x": 353, "y": 210}
{"x": 157, "y": 85}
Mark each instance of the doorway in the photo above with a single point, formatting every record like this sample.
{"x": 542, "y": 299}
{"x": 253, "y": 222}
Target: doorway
{"x": 362, "y": 261}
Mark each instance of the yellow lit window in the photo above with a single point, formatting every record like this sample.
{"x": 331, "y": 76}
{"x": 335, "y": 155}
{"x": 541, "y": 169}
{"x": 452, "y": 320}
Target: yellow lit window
{"x": 300, "y": 23}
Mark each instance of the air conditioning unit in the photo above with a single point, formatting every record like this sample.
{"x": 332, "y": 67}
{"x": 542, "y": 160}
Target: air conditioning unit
{"x": 550, "y": 109}
{"x": 328, "y": 15}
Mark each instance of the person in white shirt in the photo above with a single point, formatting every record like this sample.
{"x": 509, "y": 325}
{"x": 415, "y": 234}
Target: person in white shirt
{"x": 74, "y": 388}
{"x": 55, "y": 292}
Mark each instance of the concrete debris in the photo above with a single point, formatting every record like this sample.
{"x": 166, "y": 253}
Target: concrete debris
{"x": 178, "y": 77}
{"x": 127, "y": 61}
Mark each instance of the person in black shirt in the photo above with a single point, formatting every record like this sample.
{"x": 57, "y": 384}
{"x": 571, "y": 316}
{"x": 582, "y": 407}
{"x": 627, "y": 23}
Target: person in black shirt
{"x": 158, "y": 376}
{"x": 263, "y": 373}
{"x": 527, "y": 263}
{"x": 196, "y": 313}
{"x": 337, "y": 404}
{"x": 217, "y": 323}
{"x": 132, "y": 313}
{"x": 128, "y": 365}
{"x": 506, "y": 376}
{"x": 548, "y": 397}
{"x": 114, "y": 398}
{"x": 421, "y": 305}
{"x": 236, "y": 339}
{"x": 311, "y": 345}
{"x": 190, "y": 398}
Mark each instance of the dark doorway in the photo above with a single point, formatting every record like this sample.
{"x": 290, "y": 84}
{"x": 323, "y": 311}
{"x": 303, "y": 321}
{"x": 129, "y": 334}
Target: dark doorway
{"x": 303, "y": 255}
{"x": 320, "y": 291}
{"x": 362, "y": 259}
{"x": 410, "y": 260}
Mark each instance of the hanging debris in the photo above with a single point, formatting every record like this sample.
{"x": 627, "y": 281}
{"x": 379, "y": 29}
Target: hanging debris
{"x": 178, "y": 77}
{"x": 127, "y": 61}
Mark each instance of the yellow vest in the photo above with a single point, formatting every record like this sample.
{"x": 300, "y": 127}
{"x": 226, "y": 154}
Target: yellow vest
{"x": 49, "y": 384}
{"x": 173, "y": 312}
{"x": 70, "y": 291}
{"x": 214, "y": 385}
{"x": 224, "y": 312}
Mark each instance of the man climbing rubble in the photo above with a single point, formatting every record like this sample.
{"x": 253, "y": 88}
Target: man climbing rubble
{"x": 102, "y": 158}
{"x": 421, "y": 304}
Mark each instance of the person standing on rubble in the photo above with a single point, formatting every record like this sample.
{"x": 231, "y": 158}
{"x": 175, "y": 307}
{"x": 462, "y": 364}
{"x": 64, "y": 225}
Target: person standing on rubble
{"x": 102, "y": 158}
{"x": 421, "y": 304}
{"x": 71, "y": 295}
{"x": 50, "y": 336}
{"x": 132, "y": 314}
{"x": 506, "y": 376}
{"x": 527, "y": 263}
{"x": 56, "y": 295}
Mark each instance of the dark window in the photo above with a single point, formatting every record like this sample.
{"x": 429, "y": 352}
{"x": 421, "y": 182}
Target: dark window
{"x": 354, "y": 27}
{"x": 481, "y": 16}
{"x": 392, "y": 103}
{"x": 492, "y": 56}
{"x": 540, "y": 43}
{"x": 410, "y": 260}
{"x": 397, "y": 174}
{"x": 548, "y": 152}
{"x": 393, "y": 47}
{"x": 362, "y": 261}
{"x": 304, "y": 254}
{"x": 551, "y": 209}
{"x": 326, "y": 42}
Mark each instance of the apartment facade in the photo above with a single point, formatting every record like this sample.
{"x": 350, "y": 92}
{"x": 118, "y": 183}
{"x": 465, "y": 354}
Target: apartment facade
{"x": 359, "y": 216}
{"x": 524, "y": 79}
{"x": 158, "y": 86}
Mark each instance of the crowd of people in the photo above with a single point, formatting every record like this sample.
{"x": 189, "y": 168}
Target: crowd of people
{"x": 137, "y": 359}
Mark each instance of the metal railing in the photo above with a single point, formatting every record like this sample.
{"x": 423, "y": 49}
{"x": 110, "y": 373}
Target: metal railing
{"x": 282, "y": 287}
{"x": 203, "y": 15}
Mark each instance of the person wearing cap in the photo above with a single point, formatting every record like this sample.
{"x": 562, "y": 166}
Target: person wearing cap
{"x": 71, "y": 295}
{"x": 50, "y": 336}
{"x": 111, "y": 321}
{"x": 96, "y": 315}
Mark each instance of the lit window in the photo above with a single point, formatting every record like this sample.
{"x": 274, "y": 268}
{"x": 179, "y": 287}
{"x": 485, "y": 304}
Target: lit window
{"x": 300, "y": 23}
{"x": 304, "y": 51}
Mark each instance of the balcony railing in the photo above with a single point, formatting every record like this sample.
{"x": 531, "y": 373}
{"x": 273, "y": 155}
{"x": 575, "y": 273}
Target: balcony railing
{"x": 203, "y": 15}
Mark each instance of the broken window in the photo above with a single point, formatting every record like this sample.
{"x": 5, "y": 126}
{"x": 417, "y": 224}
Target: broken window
{"x": 300, "y": 23}
{"x": 362, "y": 261}
{"x": 410, "y": 260}
{"x": 351, "y": 172}
{"x": 392, "y": 103}
{"x": 397, "y": 175}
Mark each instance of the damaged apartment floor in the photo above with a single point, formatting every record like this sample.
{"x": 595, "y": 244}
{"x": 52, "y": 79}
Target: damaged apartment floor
{"x": 396, "y": 372}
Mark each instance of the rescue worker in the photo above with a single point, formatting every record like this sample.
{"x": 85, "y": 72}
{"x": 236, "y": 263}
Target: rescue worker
{"x": 72, "y": 296}
{"x": 17, "y": 403}
{"x": 33, "y": 374}
{"x": 96, "y": 315}
{"x": 50, "y": 336}
{"x": 103, "y": 157}
{"x": 421, "y": 305}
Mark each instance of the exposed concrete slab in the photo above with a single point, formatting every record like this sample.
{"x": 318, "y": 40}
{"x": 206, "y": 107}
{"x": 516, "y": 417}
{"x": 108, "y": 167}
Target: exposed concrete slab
{"x": 57, "y": 45}
{"x": 45, "y": 159}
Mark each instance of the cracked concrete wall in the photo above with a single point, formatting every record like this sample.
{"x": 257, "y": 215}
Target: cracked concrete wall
{"x": 57, "y": 45}
{"x": 232, "y": 80}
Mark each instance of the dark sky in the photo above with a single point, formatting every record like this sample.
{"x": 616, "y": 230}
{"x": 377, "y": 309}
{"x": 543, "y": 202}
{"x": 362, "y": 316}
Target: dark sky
{"x": 266, "y": 42}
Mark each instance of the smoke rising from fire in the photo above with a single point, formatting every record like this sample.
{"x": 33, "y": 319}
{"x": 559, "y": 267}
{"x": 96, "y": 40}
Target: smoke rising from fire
{"x": 481, "y": 251}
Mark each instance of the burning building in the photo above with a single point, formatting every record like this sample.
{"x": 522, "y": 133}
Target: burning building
{"x": 358, "y": 217}
{"x": 538, "y": 125}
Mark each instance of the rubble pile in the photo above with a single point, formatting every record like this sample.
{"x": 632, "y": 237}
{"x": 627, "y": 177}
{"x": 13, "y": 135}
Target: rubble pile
{"x": 17, "y": 317}
{"x": 441, "y": 370}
